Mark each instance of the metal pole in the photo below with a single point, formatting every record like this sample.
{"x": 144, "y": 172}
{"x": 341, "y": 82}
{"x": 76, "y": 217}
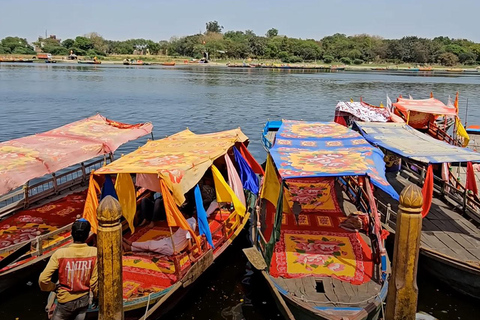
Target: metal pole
{"x": 466, "y": 115}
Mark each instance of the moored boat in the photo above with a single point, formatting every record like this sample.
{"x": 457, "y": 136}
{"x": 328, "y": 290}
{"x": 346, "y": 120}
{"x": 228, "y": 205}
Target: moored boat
{"x": 16, "y": 60}
{"x": 168, "y": 64}
{"x": 178, "y": 167}
{"x": 89, "y": 62}
{"x": 133, "y": 62}
{"x": 450, "y": 245}
{"x": 42, "y": 188}
{"x": 318, "y": 262}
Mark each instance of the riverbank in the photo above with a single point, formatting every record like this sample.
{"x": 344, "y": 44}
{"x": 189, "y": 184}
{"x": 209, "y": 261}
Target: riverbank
{"x": 262, "y": 63}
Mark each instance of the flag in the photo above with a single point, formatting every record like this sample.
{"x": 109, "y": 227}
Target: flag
{"x": 248, "y": 177}
{"x": 427, "y": 191}
{"x": 174, "y": 217}
{"x": 203, "y": 226}
{"x": 257, "y": 168}
{"x": 126, "y": 196}
{"x": 225, "y": 193}
{"x": 455, "y": 104}
{"x": 91, "y": 203}
{"x": 471, "y": 183}
{"x": 108, "y": 189}
{"x": 271, "y": 186}
{"x": 389, "y": 104}
{"x": 462, "y": 132}
{"x": 410, "y": 97}
{"x": 234, "y": 180}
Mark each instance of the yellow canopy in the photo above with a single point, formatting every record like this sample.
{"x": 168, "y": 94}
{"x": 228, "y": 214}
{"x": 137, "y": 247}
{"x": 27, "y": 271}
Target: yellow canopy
{"x": 180, "y": 160}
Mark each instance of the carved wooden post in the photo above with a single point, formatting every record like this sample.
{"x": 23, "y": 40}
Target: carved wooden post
{"x": 403, "y": 290}
{"x": 109, "y": 243}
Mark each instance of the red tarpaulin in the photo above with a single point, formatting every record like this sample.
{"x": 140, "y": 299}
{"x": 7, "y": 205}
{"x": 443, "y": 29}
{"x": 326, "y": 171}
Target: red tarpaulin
{"x": 34, "y": 156}
{"x": 431, "y": 106}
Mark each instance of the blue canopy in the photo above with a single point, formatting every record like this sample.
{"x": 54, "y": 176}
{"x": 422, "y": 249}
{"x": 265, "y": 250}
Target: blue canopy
{"x": 326, "y": 149}
{"x": 407, "y": 142}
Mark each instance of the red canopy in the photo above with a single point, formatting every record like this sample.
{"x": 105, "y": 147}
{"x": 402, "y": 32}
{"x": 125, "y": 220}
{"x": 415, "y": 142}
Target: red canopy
{"x": 34, "y": 156}
{"x": 431, "y": 106}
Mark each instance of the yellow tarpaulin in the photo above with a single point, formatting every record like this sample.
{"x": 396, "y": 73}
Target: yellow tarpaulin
{"x": 126, "y": 196}
{"x": 271, "y": 187}
{"x": 225, "y": 193}
{"x": 180, "y": 160}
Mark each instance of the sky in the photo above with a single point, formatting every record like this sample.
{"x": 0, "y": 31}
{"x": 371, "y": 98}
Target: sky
{"x": 161, "y": 20}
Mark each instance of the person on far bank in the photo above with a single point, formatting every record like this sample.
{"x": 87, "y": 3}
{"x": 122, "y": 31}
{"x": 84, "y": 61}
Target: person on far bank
{"x": 77, "y": 275}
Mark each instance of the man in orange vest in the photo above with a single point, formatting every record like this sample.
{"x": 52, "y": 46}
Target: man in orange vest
{"x": 77, "y": 275}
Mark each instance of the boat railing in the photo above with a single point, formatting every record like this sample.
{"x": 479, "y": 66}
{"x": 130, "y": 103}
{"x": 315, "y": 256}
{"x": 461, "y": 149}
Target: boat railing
{"x": 435, "y": 131}
{"x": 40, "y": 244}
{"x": 454, "y": 192}
{"x": 32, "y": 193}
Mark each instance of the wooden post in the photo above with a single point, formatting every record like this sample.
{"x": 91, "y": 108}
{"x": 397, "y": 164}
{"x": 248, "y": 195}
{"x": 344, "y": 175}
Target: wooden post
{"x": 402, "y": 289}
{"x": 109, "y": 243}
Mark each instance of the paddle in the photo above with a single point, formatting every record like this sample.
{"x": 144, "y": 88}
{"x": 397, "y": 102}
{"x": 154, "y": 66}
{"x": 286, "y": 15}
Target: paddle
{"x": 12, "y": 257}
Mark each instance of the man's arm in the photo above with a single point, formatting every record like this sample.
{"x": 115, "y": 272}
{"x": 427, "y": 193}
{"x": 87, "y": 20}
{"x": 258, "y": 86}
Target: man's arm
{"x": 94, "y": 280}
{"x": 45, "y": 279}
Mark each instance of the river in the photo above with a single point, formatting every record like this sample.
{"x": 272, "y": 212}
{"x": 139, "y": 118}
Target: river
{"x": 38, "y": 97}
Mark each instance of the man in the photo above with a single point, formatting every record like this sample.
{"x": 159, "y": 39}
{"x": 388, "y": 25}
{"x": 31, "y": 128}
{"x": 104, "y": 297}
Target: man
{"x": 77, "y": 275}
{"x": 152, "y": 210}
{"x": 181, "y": 239}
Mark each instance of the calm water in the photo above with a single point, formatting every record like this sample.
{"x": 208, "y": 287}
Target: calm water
{"x": 39, "y": 97}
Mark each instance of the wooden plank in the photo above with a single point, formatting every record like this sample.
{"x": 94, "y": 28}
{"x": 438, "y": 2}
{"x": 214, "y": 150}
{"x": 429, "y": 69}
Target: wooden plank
{"x": 329, "y": 292}
{"x": 349, "y": 290}
{"x": 459, "y": 252}
{"x": 309, "y": 285}
{"x": 340, "y": 291}
{"x": 291, "y": 286}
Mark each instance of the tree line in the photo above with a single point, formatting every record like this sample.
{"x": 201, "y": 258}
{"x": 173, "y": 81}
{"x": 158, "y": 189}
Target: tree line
{"x": 356, "y": 49}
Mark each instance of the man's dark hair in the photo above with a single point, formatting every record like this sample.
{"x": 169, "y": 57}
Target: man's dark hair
{"x": 80, "y": 230}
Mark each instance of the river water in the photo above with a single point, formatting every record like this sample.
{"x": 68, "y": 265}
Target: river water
{"x": 39, "y": 97}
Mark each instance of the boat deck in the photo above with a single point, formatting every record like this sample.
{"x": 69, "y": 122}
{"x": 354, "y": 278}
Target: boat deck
{"x": 444, "y": 231}
{"x": 329, "y": 291}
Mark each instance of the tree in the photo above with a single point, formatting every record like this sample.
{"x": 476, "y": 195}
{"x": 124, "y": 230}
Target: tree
{"x": 68, "y": 43}
{"x": 214, "y": 27}
{"x": 448, "y": 59}
{"x": 272, "y": 33}
{"x": 16, "y": 45}
{"x": 83, "y": 43}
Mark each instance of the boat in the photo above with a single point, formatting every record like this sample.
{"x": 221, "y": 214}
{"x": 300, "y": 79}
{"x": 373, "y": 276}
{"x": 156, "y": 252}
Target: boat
{"x": 16, "y": 60}
{"x": 427, "y": 69}
{"x": 410, "y": 69}
{"x": 450, "y": 240}
{"x": 470, "y": 70}
{"x": 348, "y": 111}
{"x": 378, "y": 69}
{"x": 174, "y": 166}
{"x": 133, "y": 62}
{"x": 474, "y": 134}
{"x": 168, "y": 64}
{"x": 337, "y": 68}
{"x": 50, "y": 61}
{"x": 318, "y": 265}
{"x": 42, "y": 188}
{"x": 455, "y": 70}
{"x": 89, "y": 62}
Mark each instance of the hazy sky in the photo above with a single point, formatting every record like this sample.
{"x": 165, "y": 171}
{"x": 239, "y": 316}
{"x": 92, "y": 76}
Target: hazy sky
{"x": 160, "y": 20}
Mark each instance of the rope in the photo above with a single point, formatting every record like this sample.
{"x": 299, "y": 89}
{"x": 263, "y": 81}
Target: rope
{"x": 302, "y": 297}
{"x": 148, "y": 305}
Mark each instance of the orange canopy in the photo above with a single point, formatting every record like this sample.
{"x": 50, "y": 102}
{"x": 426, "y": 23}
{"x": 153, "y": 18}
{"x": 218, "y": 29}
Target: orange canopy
{"x": 431, "y": 106}
{"x": 34, "y": 156}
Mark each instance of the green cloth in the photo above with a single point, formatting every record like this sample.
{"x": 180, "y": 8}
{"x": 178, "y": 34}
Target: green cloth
{"x": 277, "y": 224}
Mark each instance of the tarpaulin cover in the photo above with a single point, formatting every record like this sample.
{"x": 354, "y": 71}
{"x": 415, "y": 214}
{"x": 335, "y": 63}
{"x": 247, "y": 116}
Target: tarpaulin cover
{"x": 34, "y": 156}
{"x": 180, "y": 160}
{"x": 327, "y": 149}
{"x": 363, "y": 111}
{"x": 431, "y": 106}
{"x": 410, "y": 143}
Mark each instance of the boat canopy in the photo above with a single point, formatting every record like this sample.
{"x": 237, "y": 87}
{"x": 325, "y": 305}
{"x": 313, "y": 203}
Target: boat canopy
{"x": 44, "y": 153}
{"x": 410, "y": 143}
{"x": 430, "y": 106}
{"x": 180, "y": 160}
{"x": 363, "y": 111}
{"x": 326, "y": 149}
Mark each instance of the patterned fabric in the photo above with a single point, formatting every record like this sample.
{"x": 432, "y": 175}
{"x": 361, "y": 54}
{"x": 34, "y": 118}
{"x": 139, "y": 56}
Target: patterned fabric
{"x": 362, "y": 111}
{"x": 180, "y": 160}
{"x": 431, "y": 106}
{"x": 327, "y": 149}
{"x": 407, "y": 142}
{"x": 313, "y": 194}
{"x": 37, "y": 155}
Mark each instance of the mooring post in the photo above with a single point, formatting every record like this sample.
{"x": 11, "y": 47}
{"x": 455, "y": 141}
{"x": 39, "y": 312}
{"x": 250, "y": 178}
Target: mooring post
{"x": 403, "y": 290}
{"x": 109, "y": 243}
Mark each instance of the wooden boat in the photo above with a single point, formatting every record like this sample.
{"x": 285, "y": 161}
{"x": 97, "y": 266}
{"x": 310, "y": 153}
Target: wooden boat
{"x": 411, "y": 69}
{"x": 168, "y": 64}
{"x": 298, "y": 252}
{"x": 16, "y": 60}
{"x": 89, "y": 62}
{"x": 450, "y": 241}
{"x": 132, "y": 62}
{"x": 50, "y": 61}
{"x": 378, "y": 69}
{"x": 337, "y": 68}
{"x": 43, "y": 189}
{"x": 425, "y": 69}
{"x": 470, "y": 70}
{"x": 174, "y": 166}
{"x": 455, "y": 70}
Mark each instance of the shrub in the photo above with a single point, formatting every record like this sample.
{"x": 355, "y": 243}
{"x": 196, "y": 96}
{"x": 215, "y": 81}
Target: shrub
{"x": 357, "y": 61}
{"x": 328, "y": 59}
{"x": 448, "y": 59}
{"x": 346, "y": 60}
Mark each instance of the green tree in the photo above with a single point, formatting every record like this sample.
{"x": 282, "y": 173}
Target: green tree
{"x": 214, "y": 27}
{"x": 83, "y": 43}
{"x": 448, "y": 59}
{"x": 271, "y": 33}
{"x": 68, "y": 43}
{"x": 16, "y": 45}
